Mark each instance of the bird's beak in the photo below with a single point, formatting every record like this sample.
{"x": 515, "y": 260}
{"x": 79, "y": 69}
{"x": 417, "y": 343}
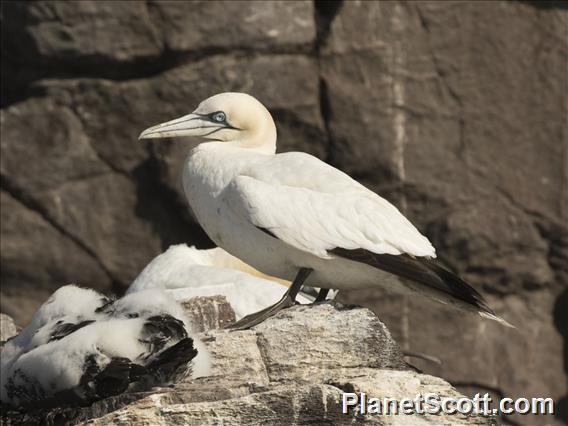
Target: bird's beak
{"x": 188, "y": 125}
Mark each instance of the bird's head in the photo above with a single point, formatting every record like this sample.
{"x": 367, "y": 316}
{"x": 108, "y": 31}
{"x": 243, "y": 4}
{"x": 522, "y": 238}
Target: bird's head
{"x": 226, "y": 117}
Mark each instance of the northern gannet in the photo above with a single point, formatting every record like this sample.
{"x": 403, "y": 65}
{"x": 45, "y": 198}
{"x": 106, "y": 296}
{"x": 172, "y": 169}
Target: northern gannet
{"x": 81, "y": 346}
{"x": 295, "y": 217}
{"x": 186, "y": 272}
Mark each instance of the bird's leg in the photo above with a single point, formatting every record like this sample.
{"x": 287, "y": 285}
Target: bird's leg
{"x": 287, "y": 300}
{"x": 321, "y": 295}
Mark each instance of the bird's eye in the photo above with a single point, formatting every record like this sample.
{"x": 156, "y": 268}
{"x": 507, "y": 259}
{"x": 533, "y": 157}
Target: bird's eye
{"x": 219, "y": 117}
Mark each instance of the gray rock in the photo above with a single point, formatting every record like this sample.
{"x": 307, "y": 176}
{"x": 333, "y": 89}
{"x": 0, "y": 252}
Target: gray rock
{"x": 57, "y": 259}
{"x": 88, "y": 30}
{"x": 102, "y": 212}
{"x": 358, "y": 339}
{"x": 237, "y": 360}
{"x": 290, "y": 370}
{"x": 445, "y": 112}
{"x": 62, "y": 39}
{"x": 7, "y": 327}
{"x": 54, "y": 132}
{"x": 469, "y": 363}
{"x": 207, "y": 313}
{"x": 214, "y": 25}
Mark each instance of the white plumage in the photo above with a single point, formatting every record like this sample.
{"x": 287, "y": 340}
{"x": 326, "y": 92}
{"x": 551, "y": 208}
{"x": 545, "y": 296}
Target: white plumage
{"x": 186, "y": 272}
{"x": 315, "y": 208}
{"x": 291, "y": 215}
{"x": 81, "y": 346}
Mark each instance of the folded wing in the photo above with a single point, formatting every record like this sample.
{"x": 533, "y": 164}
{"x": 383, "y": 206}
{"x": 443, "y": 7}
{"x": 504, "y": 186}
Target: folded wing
{"x": 316, "y": 208}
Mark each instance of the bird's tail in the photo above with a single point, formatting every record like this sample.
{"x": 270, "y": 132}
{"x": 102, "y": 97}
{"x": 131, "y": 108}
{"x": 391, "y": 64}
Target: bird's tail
{"x": 466, "y": 291}
{"x": 431, "y": 277}
{"x": 497, "y": 318}
{"x": 173, "y": 362}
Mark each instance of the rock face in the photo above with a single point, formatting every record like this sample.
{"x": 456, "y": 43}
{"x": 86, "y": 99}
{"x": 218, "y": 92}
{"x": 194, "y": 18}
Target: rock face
{"x": 453, "y": 116}
{"x": 290, "y": 370}
{"x": 208, "y": 313}
{"x": 7, "y": 327}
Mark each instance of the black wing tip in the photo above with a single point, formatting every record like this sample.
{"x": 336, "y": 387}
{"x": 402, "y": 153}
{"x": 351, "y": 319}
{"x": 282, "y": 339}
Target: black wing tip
{"x": 467, "y": 291}
{"x": 112, "y": 379}
{"x": 422, "y": 270}
{"x": 63, "y": 329}
{"x": 115, "y": 378}
{"x": 174, "y": 361}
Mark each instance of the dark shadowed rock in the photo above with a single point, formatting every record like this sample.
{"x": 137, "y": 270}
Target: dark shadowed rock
{"x": 63, "y": 152}
{"x": 139, "y": 103}
{"x": 425, "y": 102}
{"x": 461, "y": 122}
{"x": 124, "y": 40}
{"x": 188, "y": 26}
{"x": 88, "y": 31}
{"x": 103, "y": 213}
{"x": 37, "y": 259}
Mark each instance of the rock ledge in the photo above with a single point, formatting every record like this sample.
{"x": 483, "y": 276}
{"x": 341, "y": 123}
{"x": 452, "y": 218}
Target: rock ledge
{"x": 291, "y": 369}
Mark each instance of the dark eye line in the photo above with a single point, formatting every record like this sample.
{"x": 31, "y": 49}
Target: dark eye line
{"x": 210, "y": 117}
{"x": 213, "y": 114}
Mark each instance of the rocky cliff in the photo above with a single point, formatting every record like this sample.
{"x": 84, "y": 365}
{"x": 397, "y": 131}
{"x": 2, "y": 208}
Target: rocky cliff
{"x": 454, "y": 111}
{"x": 290, "y": 370}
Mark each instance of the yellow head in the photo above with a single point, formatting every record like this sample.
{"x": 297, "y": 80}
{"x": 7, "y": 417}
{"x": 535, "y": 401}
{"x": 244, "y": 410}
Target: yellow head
{"x": 226, "y": 117}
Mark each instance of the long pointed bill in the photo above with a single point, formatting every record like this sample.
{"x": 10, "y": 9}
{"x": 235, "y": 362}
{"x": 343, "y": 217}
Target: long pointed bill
{"x": 188, "y": 125}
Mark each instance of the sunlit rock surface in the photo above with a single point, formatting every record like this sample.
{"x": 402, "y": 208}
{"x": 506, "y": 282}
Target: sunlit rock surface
{"x": 290, "y": 370}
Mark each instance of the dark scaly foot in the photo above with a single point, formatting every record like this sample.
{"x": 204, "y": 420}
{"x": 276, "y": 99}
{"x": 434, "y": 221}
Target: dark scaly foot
{"x": 287, "y": 300}
{"x": 321, "y": 295}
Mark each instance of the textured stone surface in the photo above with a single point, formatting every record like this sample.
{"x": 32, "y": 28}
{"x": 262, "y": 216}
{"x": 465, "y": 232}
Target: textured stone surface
{"x": 125, "y": 41}
{"x": 475, "y": 361}
{"x": 37, "y": 258}
{"x": 258, "y": 378}
{"x": 7, "y": 327}
{"x": 359, "y": 339}
{"x": 228, "y": 24}
{"x": 462, "y": 123}
{"x": 208, "y": 313}
{"x": 456, "y": 117}
{"x": 427, "y": 101}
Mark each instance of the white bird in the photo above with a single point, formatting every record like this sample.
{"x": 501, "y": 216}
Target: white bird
{"x": 186, "y": 272}
{"x": 81, "y": 347}
{"x": 295, "y": 217}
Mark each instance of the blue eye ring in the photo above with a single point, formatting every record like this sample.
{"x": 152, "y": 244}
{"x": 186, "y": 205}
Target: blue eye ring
{"x": 219, "y": 117}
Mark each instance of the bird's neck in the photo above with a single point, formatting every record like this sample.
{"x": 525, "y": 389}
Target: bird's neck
{"x": 252, "y": 146}
{"x": 259, "y": 138}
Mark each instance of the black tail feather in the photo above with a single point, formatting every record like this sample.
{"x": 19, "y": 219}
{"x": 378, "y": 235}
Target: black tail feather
{"x": 62, "y": 329}
{"x": 424, "y": 271}
{"x": 174, "y": 361}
